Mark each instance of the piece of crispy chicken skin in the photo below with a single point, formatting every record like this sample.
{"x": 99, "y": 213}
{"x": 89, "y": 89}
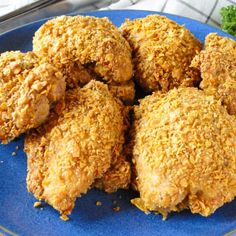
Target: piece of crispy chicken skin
{"x": 217, "y": 64}
{"x": 184, "y": 152}
{"x": 75, "y": 147}
{"x": 28, "y": 89}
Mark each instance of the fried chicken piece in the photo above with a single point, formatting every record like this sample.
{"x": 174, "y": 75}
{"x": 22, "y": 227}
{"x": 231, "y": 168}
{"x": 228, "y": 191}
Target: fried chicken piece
{"x": 217, "y": 64}
{"x": 75, "y": 147}
{"x": 184, "y": 152}
{"x": 162, "y": 52}
{"x": 28, "y": 88}
{"x": 93, "y": 45}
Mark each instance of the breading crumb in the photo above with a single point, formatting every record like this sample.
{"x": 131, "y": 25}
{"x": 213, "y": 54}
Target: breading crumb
{"x": 64, "y": 218}
{"x": 13, "y": 154}
{"x": 116, "y": 209}
{"x": 98, "y": 203}
{"x": 163, "y": 213}
{"x": 17, "y": 147}
{"x": 37, "y": 204}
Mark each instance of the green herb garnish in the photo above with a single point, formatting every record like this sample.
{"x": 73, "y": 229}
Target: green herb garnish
{"x": 229, "y": 19}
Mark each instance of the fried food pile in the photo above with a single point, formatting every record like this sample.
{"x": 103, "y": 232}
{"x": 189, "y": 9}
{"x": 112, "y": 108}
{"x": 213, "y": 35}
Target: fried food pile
{"x": 74, "y": 97}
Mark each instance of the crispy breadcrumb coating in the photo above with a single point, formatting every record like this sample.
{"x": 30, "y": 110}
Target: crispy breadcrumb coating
{"x": 119, "y": 174}
{"x": 213, "y": 40}
{"x": 117, "y": 177}
{"x": 28, "y": 88}
{"x": 75, "y": 146}
{"x": 162, "y": 52}
{"x": 184, "y": 152}
{"x": 124, "y": 91}
{"x": 217, "y": 64}
{"x": 93, "y": 43}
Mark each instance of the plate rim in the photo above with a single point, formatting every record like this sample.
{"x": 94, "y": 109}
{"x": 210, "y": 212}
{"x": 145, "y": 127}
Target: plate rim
{"x": 5, "y": 34}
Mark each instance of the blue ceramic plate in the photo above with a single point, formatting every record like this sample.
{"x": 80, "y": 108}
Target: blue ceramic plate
{"x": 18, "y": 216}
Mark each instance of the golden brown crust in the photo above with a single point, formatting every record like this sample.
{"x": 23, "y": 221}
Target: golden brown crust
{"x": 184, "y": 152}
{"x": 117, "y": 177}
{"x": 213, "y": 40}
{"x": 76, "y": 146}
{"x": 217, "y": 64}
{"x": 124, "y": 91}
{"x": 162, "y": 52}
{"x": 28, "y": 87}
{"x": 93, "y": 43}
{"x": 119, "y": 174}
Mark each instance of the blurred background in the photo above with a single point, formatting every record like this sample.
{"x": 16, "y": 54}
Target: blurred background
{"x": 14, "y": 13}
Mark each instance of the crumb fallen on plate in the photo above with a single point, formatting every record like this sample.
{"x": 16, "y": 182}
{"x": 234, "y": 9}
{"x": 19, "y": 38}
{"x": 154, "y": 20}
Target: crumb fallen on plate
{"x": 98, "y": 203}
{"x": 13, "y": 154}
{"x": 116, "y": 209}
{"x": 37, "y": 204}
{"x": 64, "y": 218}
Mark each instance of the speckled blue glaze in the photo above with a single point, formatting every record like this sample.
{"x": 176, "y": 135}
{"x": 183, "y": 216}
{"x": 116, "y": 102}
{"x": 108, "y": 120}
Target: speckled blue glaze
{"x": 16, "y": 204}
